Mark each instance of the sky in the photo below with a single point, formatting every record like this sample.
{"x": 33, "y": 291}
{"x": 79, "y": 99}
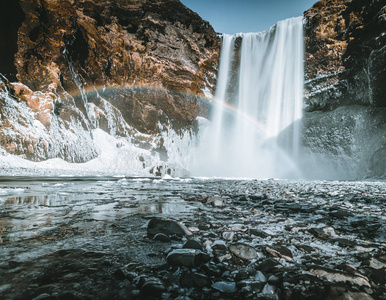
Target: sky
{"x": 234, "y": 16}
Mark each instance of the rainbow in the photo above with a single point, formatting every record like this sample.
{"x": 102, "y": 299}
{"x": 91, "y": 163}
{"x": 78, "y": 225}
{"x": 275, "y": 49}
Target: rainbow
{"x": 80, "y": 92}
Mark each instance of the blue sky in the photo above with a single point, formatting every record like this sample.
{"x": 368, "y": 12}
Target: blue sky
{"x": 233, "y": 16}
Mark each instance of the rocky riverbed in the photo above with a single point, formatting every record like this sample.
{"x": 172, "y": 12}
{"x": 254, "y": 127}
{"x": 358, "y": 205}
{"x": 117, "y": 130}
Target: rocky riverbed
{"x": 148, "y": 238}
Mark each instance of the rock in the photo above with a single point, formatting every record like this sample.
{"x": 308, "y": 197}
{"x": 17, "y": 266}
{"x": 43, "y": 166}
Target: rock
{"x": 324, "y": 233}
{"x": 268, "y": 265}
{"x": 270, "y": 292}
{"x": 153, "y": 287}
{"x": 190, "y": 280}
{"x": 166, "y": 227}
{"x": 220, "y": 251}
{"x": 228, "y": 235}
{"x": 377, "y": 263}
{"x": 274, "y": 280}
{"x": 215, "y": 201}
{"x": 56, "y": 47}
{"x": 243, "y": 251}
{"x": 280, "y": 251}
{"x": 259, "y": 233}
{"x": 193, "y": 244}
{"x": 225, "y": 287}
{"x": 187, "y": 257}
{"x": 161, "y": 237}
{"x": 338, "y": 276}
{"x": 342, "y": 293}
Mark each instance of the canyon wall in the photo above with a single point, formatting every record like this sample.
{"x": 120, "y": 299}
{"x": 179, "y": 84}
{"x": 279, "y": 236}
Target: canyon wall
{"x": 129, "y": 67}
{"x": 345, "y": 122}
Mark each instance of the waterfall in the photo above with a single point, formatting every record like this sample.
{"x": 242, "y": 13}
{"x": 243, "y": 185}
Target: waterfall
{"x": 255, "y": 124}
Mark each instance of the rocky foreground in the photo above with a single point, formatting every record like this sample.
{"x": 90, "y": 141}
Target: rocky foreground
{"x": 197, "y": 239}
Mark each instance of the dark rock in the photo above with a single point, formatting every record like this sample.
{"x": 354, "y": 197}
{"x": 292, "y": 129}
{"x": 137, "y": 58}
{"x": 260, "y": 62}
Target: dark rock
{"x": 161, "y": 237}
{"x": 268, "y": 265}
{"x": 212, "y": 270}
{"x": 153, "y": 287}
{"x": 187, "y": 257}
{"x": 280, "y": 251}
{"x": 258, "y": 233}
{"x": 190, "y": 280}
{"x": 193, "y": 244}
{"x": 225, "y": 287}
{"x": 274, "y": 280}
{"x": 167, "y": 227}
{"x": 220, "y": 251}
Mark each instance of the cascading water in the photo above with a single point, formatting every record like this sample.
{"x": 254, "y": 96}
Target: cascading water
{"x": 255, "y": 128}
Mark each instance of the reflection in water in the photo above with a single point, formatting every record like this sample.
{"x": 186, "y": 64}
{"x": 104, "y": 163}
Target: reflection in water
{"x": 29, "y": 209}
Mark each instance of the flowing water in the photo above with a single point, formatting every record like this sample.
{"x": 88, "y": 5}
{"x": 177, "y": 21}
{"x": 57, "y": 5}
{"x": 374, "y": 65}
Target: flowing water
{"x": 259, "y": 94}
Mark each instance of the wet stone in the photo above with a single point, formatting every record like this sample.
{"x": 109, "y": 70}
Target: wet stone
{"x": 243, "y": 251}
{"x": 225, "y": 287}
{"x": 268, "y": 265}
{"x": 190, "y": 280}
{"x": 280, "y": 251}
{"x": 228, "y": 235}
{"x": 167, "y": 227}
{"x": 193, "y": 244}
{"x": 187, "y": 257}
{"x": 161, "y": 237}
{"x": 324, "y": 233}
{"x": 153, "y": 287}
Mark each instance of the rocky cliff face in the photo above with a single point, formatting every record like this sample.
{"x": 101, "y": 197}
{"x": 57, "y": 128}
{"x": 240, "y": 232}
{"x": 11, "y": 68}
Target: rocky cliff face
{"x": 345, "y": 79}
{"x": 126, "y": 66}
{"x": 346, "y": 53}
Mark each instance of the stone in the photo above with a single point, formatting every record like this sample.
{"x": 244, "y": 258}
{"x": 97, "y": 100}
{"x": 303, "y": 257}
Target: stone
{"x": 161, "y": 237}
{"x": 187, "y": 257}
{"x": 225, "y": 287}
{"x": 268, "y": 265}
{"x": 215, "y": 201}
{"x": 324, "y": 233}
{"x": 166, "y": 227}
{"x": 270, "y": 292}
{"x": 243, "y": 251}
{"x": 280, "y": 251}
{"x": 153, "y": 287}
{"x": 190, "y": 280}
{"x": 193, "y": 244}
{"x": 339, "y": 276}
{"x": 228, "y": 235}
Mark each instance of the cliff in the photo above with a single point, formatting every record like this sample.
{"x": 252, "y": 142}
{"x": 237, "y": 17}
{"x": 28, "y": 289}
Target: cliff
{"x": 127, "y": 67}
{"x": 345, "y": 87}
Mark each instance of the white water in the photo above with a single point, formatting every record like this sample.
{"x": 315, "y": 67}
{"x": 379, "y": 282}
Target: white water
{"x": 256, "y": 100}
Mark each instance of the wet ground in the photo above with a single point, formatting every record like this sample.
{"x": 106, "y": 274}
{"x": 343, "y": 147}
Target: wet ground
{"x": 88, "y": 238}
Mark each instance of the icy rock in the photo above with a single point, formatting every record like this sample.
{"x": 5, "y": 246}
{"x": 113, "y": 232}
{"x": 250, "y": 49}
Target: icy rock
{"x": 187, "y": 257}
{"x": 225, "y": 287}
{"x": 243, "y": 251}
{"x": 167, "y": 227}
